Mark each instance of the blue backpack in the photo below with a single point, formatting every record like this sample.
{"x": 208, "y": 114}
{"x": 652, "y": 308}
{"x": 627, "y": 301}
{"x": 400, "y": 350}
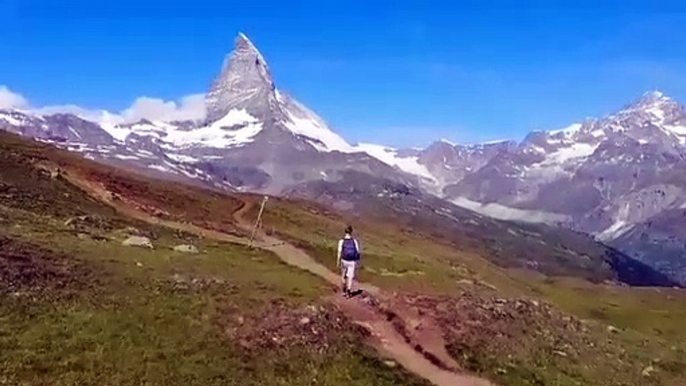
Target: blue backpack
{"x": 349, "y": 251}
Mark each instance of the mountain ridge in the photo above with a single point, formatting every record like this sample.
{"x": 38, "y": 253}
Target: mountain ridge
{"x": 604, "y": 176}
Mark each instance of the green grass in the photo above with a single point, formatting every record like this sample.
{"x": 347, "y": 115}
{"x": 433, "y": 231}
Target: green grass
{"x": 157, "y": 317}
{"x": 653, "y": 311}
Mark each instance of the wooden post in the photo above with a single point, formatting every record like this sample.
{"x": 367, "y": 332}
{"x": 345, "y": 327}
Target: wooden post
{"x": 259, "y": 219}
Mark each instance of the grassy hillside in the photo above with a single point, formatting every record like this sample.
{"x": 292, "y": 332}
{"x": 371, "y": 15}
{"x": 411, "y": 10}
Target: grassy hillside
{"x": 78, "y": 307}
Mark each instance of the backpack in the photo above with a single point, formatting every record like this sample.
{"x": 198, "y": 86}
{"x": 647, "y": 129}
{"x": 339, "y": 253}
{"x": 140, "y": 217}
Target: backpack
{"x": 349, "y": 251}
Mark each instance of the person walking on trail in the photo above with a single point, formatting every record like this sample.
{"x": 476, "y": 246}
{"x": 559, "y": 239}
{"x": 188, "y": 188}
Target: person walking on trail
{"x": 348, "y": 258}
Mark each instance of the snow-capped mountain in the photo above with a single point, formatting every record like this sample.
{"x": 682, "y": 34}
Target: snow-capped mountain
{"x": 614, "y": 177}
{"x": 255, "y": 136}
{"x": 587, "y": 162}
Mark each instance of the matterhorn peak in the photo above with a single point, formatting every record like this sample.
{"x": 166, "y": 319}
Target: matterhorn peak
{"x": 243, "y": 44}
{"x": 243, "y": 38}
{"x": 245, "y": 82}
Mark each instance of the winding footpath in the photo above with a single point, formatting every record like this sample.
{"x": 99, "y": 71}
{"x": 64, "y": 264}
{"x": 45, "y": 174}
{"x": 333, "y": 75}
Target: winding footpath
{"x": 418, "y": 346}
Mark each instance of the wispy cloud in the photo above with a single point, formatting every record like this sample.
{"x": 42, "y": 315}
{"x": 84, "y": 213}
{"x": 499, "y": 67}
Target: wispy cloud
{"x": 190, "y": 107}
{"x": 11, "y": 100}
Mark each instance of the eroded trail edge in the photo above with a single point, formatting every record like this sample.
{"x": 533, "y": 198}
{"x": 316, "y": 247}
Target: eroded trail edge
{"x": 397, "y": 333}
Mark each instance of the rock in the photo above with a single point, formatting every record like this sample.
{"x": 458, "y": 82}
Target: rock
{"x": 304, "y": 321}
{"x": 138, "y": 241}
{"x": 390, "y": 364}
{"x": 613, "y": 329}
{"x": 185, "y": 248}
{"x": 139, "y": 264}
{"x": 648, "y": 371}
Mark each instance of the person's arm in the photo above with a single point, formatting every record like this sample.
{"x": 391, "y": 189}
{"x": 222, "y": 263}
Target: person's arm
{"x": 338, "y": 253}
{"x": 359, "y": 254}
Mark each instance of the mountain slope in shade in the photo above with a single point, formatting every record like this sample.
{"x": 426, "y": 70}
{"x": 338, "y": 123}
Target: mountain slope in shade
{"x": 552, "y": 251}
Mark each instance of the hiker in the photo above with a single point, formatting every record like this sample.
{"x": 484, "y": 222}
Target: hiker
{"x": 348, "y": 257}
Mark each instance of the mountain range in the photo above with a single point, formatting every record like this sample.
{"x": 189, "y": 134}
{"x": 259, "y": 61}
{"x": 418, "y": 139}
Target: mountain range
{"x": 618, "y": 178}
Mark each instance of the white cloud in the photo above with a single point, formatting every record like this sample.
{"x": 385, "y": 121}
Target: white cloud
{"x": 191, "y": 107}
{"x": 11, "y": 100}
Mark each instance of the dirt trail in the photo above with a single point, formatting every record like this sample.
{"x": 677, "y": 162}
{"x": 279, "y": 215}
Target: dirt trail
{"x": 292, "y": 255}
{"x": 398, "y": 334}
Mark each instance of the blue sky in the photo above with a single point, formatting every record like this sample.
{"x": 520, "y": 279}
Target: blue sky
{"x": 395, "y": 72}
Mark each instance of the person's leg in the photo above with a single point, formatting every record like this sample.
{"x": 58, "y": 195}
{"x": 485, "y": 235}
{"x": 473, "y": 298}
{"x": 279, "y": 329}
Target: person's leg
{"x": 344, "y": 269}
{"x": 351, "y": 276}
